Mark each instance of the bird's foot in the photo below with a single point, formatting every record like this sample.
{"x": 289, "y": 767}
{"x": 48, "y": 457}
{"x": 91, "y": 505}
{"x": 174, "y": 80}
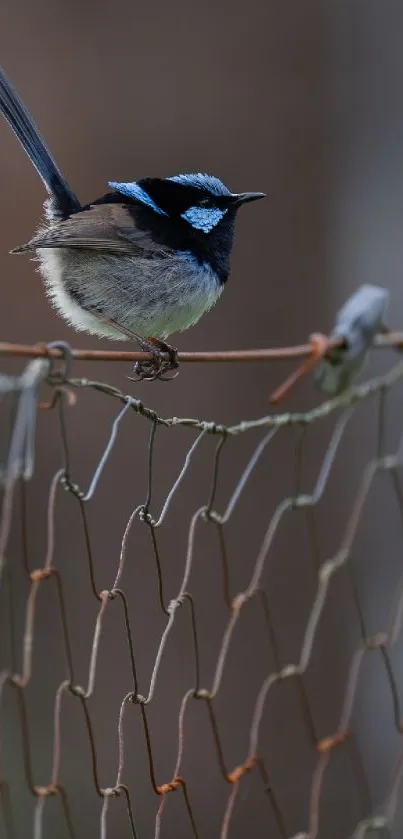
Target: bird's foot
{"x": 156, "y": 367}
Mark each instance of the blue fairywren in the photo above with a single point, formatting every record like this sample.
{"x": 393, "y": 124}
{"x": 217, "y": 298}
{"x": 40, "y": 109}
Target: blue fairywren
{"x": 143, "y": 261}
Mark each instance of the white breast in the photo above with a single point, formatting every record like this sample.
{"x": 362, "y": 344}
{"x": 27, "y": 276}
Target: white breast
{"x": 149, "y": 297}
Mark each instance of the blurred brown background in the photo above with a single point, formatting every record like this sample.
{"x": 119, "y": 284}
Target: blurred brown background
{"x": 302, "y": 100}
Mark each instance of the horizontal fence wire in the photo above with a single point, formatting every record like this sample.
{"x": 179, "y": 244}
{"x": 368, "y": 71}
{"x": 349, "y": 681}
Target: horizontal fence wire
{"x": 381, "y": 341}
{"x": 27, "y": 392}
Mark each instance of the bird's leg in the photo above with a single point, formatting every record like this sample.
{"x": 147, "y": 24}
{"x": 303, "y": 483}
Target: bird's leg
{"x": 132, "y": 336}
{"x": 154, "y": 368}
{"x": 157, "y": 367}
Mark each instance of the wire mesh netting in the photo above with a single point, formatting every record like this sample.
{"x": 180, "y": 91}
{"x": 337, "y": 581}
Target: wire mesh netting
{"x": 214, "y": 649}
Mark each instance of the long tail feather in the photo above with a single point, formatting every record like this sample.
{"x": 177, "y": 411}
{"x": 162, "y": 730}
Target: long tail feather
{"x": 25, "y": 129}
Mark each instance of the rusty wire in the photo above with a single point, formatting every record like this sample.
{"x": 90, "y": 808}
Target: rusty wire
{"x": 312, "y": 352}
{"x": 382, "y": 340}
{"x": 19, "y": 467}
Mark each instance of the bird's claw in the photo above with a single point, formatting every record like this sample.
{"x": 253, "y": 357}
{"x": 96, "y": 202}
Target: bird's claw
{"x": 156, "y": 367}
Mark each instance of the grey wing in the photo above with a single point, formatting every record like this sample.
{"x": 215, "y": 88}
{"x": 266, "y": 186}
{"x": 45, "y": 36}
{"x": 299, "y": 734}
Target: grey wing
{"x": 103, "y": 227}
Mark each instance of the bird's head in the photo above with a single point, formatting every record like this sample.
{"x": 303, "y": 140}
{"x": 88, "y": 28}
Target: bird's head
{"x": 200, "y": 202}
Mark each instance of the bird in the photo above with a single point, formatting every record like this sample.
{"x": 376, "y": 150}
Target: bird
{"x": 145, "y": 260}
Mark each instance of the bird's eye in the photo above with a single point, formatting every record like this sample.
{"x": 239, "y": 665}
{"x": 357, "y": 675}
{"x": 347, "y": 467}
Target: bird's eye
{"x": 206, "y": 202}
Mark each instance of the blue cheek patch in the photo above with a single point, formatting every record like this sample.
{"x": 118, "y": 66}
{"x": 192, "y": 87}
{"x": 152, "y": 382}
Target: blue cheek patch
{"x": 203, "y": 218}
{"x": 133, "y": 190}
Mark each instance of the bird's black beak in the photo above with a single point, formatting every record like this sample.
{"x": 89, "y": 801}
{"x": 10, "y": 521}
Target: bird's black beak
{"x": 244, "y": 197}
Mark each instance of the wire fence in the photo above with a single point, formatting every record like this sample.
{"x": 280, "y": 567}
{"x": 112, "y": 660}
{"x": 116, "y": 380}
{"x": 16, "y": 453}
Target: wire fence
{"x": 43, "y": 391}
